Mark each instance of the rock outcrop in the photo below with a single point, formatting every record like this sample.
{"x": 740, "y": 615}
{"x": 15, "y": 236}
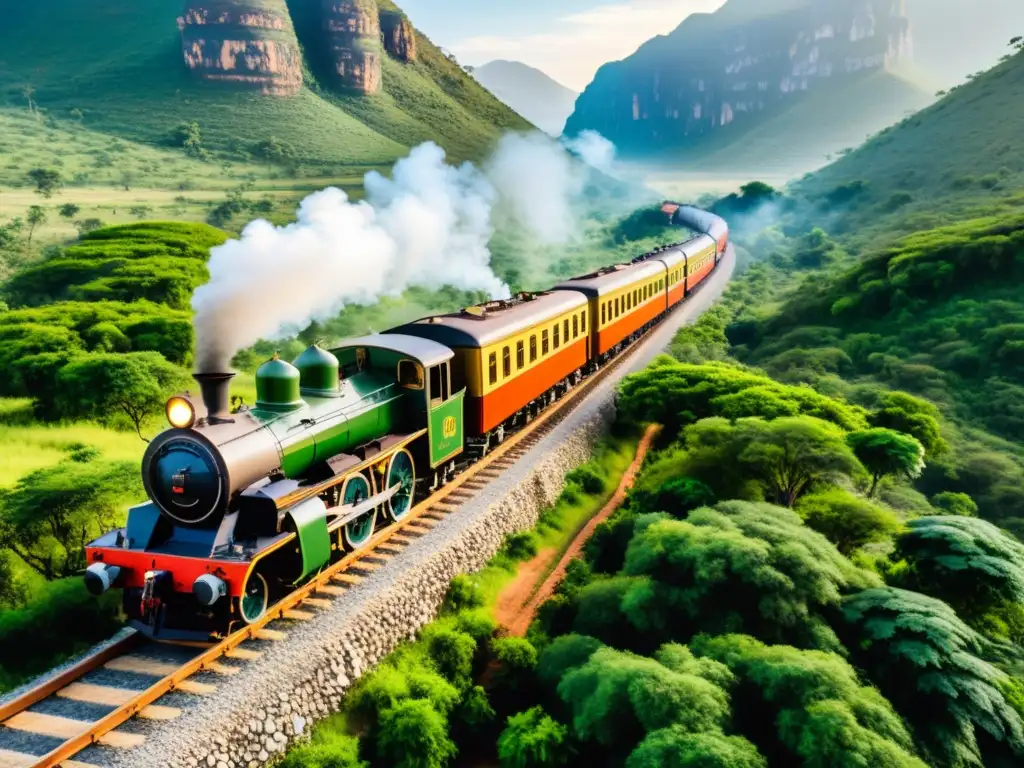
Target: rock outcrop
{"x": 399, "y": 35}
{"x": 250, "y": 43}
{"x": 354, "y": 37}
{"x": 727, "y": 68}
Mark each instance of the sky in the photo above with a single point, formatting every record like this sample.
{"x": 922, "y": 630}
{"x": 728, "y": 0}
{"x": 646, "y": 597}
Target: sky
{"x": 567, "y": 39}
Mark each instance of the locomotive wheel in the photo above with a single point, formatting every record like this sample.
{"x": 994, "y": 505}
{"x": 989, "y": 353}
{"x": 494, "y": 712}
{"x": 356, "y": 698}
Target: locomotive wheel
{"x": 401, "y": 470}
{"x": 255, "y": 598}
{"x": 357, "y": 534}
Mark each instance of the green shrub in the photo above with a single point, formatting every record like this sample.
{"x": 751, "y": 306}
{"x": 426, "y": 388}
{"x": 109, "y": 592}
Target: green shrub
{"x": 414, "y": 735}
{"x": 532, "y": 739}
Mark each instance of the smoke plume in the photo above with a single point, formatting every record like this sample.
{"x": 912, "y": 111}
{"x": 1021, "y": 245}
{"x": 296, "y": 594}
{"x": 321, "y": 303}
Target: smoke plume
{"x": 428, "y": 225}
{"x": 594, "y": 149}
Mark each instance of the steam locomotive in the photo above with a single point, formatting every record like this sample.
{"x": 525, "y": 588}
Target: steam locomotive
{"x": 246, "y": 505}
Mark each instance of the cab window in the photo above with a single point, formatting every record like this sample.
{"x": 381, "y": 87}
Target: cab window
{"x": 410, "y": 374}
{"x": 439, "y": 390}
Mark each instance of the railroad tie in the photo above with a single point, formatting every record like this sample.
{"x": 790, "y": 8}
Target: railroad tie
{"x": 141, "y": 665}
{"x": 221, "y": 669}
{"x": 316, "y": 602}
{"x": 115, "y": 697}
{"x": 347, "y": 578}
{"x": 327, "y": 589}
{"x": 269, "y": 634}
{"x": 294, "y": 614}
{"x": 10, "y": 759}
{"x": 65, "y": 729}
{"x": 390, "y": 546}
{"x": 245, "y": 654}
{"x": 195, "y": 688}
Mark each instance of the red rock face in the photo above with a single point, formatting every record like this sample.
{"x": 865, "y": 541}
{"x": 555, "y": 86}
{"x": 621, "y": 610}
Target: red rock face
{"x": 353, "y": 30}
{"x": 399, "y": 36}
{"x": 247, "y": 42}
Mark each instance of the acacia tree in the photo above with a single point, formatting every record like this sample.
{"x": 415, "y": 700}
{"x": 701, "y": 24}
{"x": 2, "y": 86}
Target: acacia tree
{"x": 69, "y": 210}
{"x": 105, "y": 386}
{"x": 789, "y": 456}
{"x": 847, "y": 521}
{"x": 35, "y": 217}
{"x": 51, "y": 514}
{"x": 885, "y": 452}
{"x": 47, "y": 180}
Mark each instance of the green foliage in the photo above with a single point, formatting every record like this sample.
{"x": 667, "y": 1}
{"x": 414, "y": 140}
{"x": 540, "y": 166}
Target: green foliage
{"x": 674, "y": 394}
{"x": 968, "y": 563}
{"x": 740, "y": 567}
{"x": 587, "y": 478}
{"x": 108, "y": 386}
{"x": 563, "y": 654}
{"x": 678, "y": 497}
{"x": 329, "y": 748}
{"x": 822, "y": 715}
{"x": 452, "y": 652}
{"x": 47, "y": 181}
{"x": 51, "y": 514}
{"x": 463, "y": 595}
{"x": 616, "y": 698}
{"x": 531, "y": 739}
{"x": 675, "y": 747}
{"x": 950, "y": 503}
{"x": 35, "y": 637}
{"x": 788, "y": 456}
{"x": 69, "y": 210}
{"x": 910, "y": 415}
{"x": 884, "y": 452}
{"x": 520, "y": 546}
{"x": 414, "y": 735}
{"x": 928, "y": 663}
{"x": 846, "y": 520}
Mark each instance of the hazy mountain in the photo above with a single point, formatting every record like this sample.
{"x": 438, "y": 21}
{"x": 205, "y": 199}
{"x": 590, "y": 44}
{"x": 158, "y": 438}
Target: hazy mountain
{"x": 720, "y": 78}
{"x": 530, "y": 92}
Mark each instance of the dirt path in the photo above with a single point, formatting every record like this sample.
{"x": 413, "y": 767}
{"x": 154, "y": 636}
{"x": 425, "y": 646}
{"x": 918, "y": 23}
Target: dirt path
{"x": 518, "y": 602}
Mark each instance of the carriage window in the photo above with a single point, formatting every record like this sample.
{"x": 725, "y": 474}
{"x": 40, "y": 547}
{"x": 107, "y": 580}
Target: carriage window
{"x": 636, "y": 297}
{"x": 575, "y": 326}
{"x": 604, "y": 314}
{"x": 492, "y": 364}
{"x": 410, "y": 374}
{"x": 506, "y": 362}
{"x": 533, "y": 348}
{"x": 520, "y": 355}
{"x": 439, "y": 383}
{"x": 583, "y": 321}
{"x": 544, "y": 342}
{"x": 554, "y": 341}
{"x": 617, "y": 306}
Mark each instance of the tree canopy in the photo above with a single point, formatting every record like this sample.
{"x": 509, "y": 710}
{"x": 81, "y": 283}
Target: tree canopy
{"x": 848, "y": 521}
{"x": 887, "y": 452}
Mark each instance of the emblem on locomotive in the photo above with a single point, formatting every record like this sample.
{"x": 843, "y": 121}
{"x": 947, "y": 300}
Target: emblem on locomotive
{"x": 246, "y": 504}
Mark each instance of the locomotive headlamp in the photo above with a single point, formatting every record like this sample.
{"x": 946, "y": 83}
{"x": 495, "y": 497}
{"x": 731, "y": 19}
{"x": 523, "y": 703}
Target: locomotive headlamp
{"x": 181, "y": 413}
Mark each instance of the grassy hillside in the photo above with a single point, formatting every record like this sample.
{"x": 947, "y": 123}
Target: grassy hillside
{"x": 120, "y": 65}
{"x": 958, "y": 158}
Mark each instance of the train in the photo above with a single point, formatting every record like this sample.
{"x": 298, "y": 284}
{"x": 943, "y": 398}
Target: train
{"x": 245, "y": 505}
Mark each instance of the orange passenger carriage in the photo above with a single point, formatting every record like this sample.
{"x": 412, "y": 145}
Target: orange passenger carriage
{"x": 701, "y": 258}
{"x": 624, "y": 299}
{"x": 511, "y": 354}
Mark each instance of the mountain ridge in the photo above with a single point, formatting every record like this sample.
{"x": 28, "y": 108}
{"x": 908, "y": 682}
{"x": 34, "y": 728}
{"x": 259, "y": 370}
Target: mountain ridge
{"x": 530, "y": 92}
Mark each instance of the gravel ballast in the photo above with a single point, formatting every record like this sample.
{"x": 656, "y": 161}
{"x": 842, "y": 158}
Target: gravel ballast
{"x": 258, "y": 712}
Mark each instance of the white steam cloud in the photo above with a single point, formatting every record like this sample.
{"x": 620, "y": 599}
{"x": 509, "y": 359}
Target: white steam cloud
{"x": 594, "y": 149}
{"x": 429, "y": 225}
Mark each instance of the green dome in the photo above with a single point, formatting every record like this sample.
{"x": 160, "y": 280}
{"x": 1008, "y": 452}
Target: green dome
{"x": 277, "y": 386}
{"x": 318, "y": 372}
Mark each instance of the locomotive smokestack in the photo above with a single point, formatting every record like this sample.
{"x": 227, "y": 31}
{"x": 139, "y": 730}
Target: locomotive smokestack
{"x": 215, "y": 388}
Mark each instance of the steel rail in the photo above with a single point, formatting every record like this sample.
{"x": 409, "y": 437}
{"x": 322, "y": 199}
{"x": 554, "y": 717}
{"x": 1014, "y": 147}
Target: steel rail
{"x": 514, "y": 445}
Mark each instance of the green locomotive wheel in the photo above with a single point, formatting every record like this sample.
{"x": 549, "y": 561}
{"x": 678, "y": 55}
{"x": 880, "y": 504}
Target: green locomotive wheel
{"x": 255, "y": 598}
{"x": 358, "y": 533}
{"x": 401, "y": 471}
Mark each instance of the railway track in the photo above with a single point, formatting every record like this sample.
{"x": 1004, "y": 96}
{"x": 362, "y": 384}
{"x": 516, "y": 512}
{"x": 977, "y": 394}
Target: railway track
{"x": 126, "y": 679}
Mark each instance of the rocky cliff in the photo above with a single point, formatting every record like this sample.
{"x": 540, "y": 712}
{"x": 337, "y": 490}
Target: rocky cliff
{"x": 399, "y": 35}
{"x": 247, "y": 42}
{"x": 730, "y": 69}
{"x": 354, "y": 37}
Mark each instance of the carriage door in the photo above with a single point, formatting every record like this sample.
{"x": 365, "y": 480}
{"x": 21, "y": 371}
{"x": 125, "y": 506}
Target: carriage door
{"x": 445, "y": 421}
